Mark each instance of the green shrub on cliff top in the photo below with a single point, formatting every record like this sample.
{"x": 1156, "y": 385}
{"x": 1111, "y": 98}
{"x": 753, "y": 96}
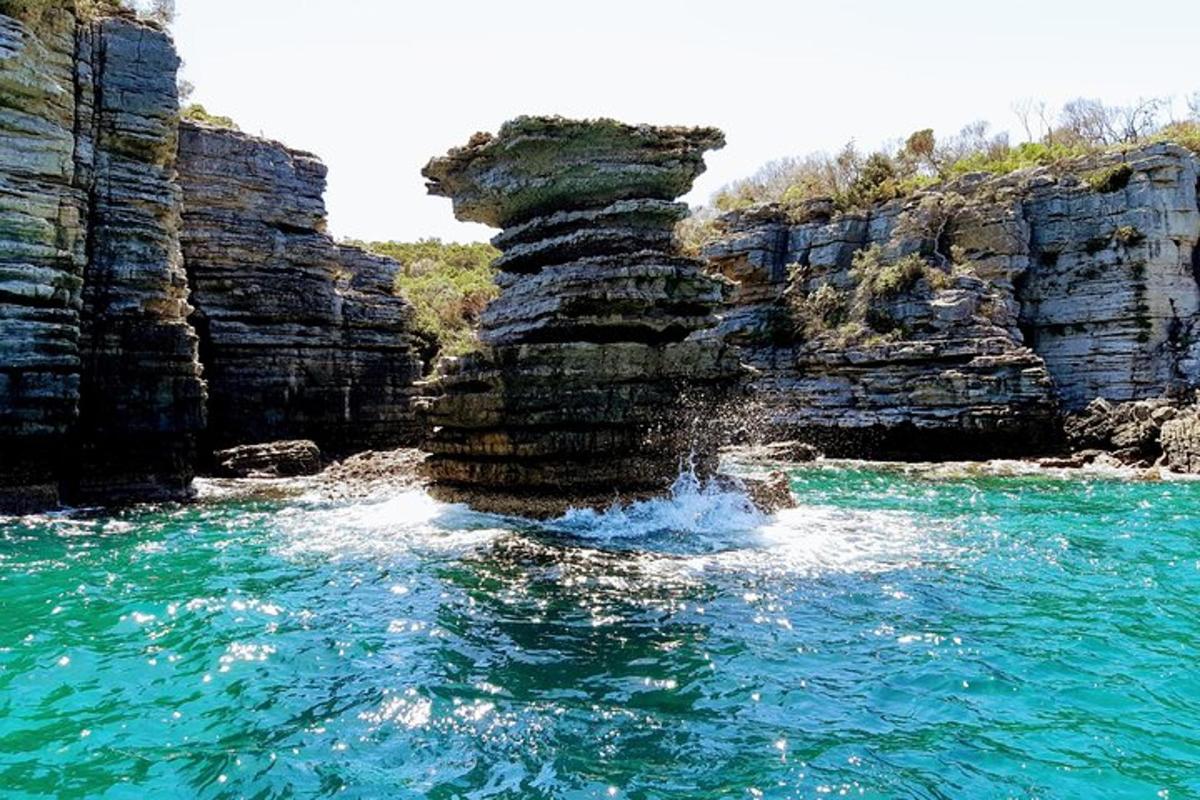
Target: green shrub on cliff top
{"x": 449, "y": 285}
{"x": 853, "y": 180}
{"x": 159, "y": 11}
{"x": 198, "y": 113}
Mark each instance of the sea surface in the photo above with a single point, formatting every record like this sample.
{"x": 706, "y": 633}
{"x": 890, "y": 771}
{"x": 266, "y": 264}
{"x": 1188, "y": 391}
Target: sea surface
{"x": 902, "y": 634}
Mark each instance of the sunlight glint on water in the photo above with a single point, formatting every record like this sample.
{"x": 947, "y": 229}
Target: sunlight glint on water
{"x": 897, "y": 635}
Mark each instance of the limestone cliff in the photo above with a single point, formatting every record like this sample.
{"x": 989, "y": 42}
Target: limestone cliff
{"x": 984, "y": 307}
{"x": 42, "y": 245}
{"x": 99, "y": 383}
{"x": 301, "y": 337}
{"x": 102, "y": 394}
{"x": 142, "y": 398}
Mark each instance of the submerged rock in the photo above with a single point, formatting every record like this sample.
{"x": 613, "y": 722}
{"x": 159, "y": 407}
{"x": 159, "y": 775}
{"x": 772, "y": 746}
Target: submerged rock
{"x": 592, "y": 375}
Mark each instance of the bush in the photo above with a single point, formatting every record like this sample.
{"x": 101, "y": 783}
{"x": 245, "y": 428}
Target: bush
{"x": 449, "y": 285}
{"x": 878, "y": 280}
{"x": 696, "y": 231}
{"x": 853, "y": 181}
{"x": 1186, "y": 134}
{"x": 1023, "y": 156}
{"x": 1111, "y": 179}
{"x": 819, "y": 312}
{"x": 864, "y": 316}
{"x": 195, "y": 112}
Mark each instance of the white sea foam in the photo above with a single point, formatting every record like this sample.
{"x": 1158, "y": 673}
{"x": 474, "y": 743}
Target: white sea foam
{"x": 381, "y": 527}
{"x": 697, "y": 526}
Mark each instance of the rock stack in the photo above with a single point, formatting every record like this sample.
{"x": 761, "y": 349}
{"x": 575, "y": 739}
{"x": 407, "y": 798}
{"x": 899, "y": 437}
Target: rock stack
{"x": 583, "y": 387}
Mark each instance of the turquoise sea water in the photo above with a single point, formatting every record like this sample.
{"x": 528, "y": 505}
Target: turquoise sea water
{"x": 897, "y": 636}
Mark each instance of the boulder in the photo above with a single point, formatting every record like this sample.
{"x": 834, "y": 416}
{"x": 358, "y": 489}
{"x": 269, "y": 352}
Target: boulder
{"x": 1181, "y": 442}
{"x": 270, "y": 460}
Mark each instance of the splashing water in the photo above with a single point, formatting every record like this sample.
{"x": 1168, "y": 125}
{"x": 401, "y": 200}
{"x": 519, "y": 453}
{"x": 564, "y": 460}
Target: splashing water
{"x": 692, "y": 507}
{"x": 898, "y": 635}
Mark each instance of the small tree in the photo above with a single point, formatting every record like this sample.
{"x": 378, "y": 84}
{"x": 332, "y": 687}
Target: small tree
{"x": 919, "y": 149}
{"x": 161, "y": 11}
{"x": 1032, "y": 113}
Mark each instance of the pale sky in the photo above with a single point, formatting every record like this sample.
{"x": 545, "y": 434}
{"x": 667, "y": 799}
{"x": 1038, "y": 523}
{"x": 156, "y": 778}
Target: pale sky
{"x": 377, "y": 87}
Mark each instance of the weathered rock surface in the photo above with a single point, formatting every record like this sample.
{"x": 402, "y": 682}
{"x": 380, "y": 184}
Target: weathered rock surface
{"x": 41, "y": 253}
{"x": 1131, "y": 429}
{"x": 269, "y": 460}
{"x": 142, "y": 397}
{"x": 1042, "y": 290}
{"x": 1181, "y": 442}
{"x": 1136, "y": 433}
{"x": 301, "y": 337}
{"x": 578, "y": 393}
{"x": 102, "y": 397}
{"x": 1111, "y": 299}
{"x": 932, "y": 370}
{"x": 100, "y": 392}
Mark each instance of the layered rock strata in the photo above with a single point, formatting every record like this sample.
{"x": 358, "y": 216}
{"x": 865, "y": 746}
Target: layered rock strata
{"x": 1181, "y": 442}
{"x": 300, "y": 337}
{"x": 42, "y": 253}
{"x": 100, "y": 391}
{"x": 271, "y": 460}
{"x": 1029, "y": 294}
{"x": 142, "y": 397}
{"x": 102, "y": 397}
{"x": 591, "y": 358}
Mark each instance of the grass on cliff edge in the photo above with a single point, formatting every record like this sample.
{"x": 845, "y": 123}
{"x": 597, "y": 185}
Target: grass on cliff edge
{"x": 195, "y": 112}
{"x": 853, "y": 180}
{"x": 449, "y": 285}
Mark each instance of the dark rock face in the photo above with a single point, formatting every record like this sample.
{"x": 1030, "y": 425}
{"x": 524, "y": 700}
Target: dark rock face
{"x": 269, "y": 460}
{"x": 41, "y": 254}
{"x": 578, "y": 392}
{"x": 100, "y": 390}
{"x": 1041, "y": 290}
{"x": 102, "y": 397}
{"x": 142, "y": 397}
{"x": 301, "y": 337}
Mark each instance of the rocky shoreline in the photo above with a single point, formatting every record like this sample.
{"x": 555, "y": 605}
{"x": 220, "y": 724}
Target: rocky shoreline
{"x": 169, "y": 295}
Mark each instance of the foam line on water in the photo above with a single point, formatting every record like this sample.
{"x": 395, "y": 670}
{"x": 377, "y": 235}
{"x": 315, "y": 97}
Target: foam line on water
{"x": 697, "y": 526}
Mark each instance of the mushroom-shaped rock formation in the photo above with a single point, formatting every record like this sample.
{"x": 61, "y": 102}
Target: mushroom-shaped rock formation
{"x": 594, "y": 370}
